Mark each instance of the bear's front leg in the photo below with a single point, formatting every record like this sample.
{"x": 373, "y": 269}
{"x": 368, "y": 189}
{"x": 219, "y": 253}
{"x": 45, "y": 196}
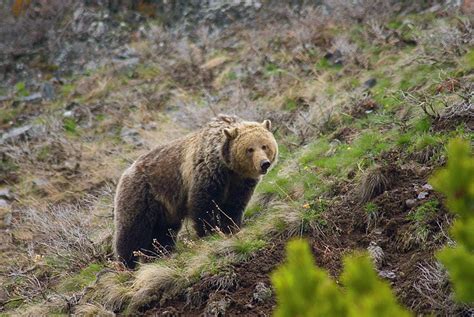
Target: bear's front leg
{"x": 237, "y": 199}
{"x": 203, "y": 207}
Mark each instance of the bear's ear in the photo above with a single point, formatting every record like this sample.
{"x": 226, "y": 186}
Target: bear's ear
{"x": 267, "y": 124}
{"x": 231, "y": 133}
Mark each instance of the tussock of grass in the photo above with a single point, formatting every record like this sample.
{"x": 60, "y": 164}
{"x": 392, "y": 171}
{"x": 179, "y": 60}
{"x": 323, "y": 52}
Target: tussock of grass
{"x": 374, "y": 182}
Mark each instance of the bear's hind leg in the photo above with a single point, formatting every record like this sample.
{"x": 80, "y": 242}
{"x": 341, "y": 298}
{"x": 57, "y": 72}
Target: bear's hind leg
{"x": 129, "y": 240}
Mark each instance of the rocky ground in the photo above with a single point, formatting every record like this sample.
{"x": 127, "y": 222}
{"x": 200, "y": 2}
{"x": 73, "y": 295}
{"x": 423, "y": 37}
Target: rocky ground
{"x": 362, "y": 99}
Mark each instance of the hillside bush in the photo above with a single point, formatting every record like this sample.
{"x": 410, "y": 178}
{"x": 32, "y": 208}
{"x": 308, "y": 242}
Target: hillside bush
{"x": 456, "y": 182}
{"x": 303, "y": 289}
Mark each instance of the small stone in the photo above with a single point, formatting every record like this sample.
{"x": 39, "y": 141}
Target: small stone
{"x": 71, "y": 165}
{"x": 427, "y": 187}
{"x": 376, "y": 253}
{"x": 423, "y": 195}
{"x": 150, "y": 126}
{"x": 5, "y": 193}
{"x": 387, "y": 274}
{"x": 68, "y": 114}
{"x": 22, "y": 133}
{"x": 262, "y": 293}
{"x": 48, "y": 91}
{"x": 410, "y": 203}
{"x": 370, "y": 83}
{"x": 15, "y": 133}
{"x": 218, "y": 307}
{"x": 40, "y": 182}
{"x": 4, "y": 203}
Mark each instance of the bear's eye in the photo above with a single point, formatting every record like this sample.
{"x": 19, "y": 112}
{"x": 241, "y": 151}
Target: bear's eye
{"x": 250, "y": 150}
{"x": 264, "y": 147}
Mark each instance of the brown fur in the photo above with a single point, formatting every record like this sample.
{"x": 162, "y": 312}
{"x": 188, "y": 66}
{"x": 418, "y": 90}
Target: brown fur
{"x": 208, "y": 176}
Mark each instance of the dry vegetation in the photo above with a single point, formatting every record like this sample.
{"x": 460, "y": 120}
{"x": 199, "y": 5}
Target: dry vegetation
{"x": 362, "y": 100}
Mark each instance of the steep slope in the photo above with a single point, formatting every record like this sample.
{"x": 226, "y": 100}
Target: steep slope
{"x": 362, "y": 111}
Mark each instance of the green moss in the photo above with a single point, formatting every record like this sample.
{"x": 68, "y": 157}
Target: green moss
{"x": 231, "y": 75}
{"x": 325, "y": 64}
{"x": 290, "y": 104}
{"x": 82, "y": 279}
{"x": 21, "y": 90}
{"x": 67, "y": 89}
{"x": 424, "y": 212}
{"x": 423, "y": 124}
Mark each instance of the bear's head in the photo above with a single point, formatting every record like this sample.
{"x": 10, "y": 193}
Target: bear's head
{"x": 251, "y": 148}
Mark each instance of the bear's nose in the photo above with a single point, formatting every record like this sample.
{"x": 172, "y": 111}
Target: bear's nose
{"x": 264, "y": 165}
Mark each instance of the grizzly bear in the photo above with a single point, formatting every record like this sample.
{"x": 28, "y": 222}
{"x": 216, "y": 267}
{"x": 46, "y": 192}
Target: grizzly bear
{"x": 208, "y": 176}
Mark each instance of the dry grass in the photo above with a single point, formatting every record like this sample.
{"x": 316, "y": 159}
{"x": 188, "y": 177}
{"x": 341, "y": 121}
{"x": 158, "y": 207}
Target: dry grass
{"x": 374, "y": 182}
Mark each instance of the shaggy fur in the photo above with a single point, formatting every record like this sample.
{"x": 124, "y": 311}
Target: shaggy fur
{"x": 208, "y": 176}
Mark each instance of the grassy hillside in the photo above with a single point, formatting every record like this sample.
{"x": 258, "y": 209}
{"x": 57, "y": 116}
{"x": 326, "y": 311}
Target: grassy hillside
{"x": 362, "y": 108}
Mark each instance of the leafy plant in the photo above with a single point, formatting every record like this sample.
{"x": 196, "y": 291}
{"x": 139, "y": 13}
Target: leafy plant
{"x": 456, "y": 181}
{"x": 302, "y": 289}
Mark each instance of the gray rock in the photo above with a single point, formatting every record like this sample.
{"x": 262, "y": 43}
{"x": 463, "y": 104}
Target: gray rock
{"x": 5, "y": 98}
{"x": 47, "y": 91}
{"x": 427, "y": 187}
{"x": 150, "y": 126}
{"x": 218, "y": 307}
{"x": 40, "y": 182}
{"x": 68, "y": 114}
{"x": 410, "y": 203}
{"x": 71, "y": 165}
{"x": 22, "y": 133}
{"x": 15, "y": 133}
{"x": 370, "y": 83}
{"x": 97, "y": 29}
{"x": 387, "y": 274}
{"x": 37, "y": 96}
{"x": 4, "y": 203}
{"x": 376, "y": 253}
{"x": 5, "y": 193}
{"x": 262, "y": 293}
{"x": 423, "y": 195}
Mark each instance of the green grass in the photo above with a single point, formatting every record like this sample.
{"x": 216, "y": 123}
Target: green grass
{"x": 424, "y": 212}
{"x": 70, "y": 126}
{"x": 419, "y": 76}
{"x": 371, "y": 208}
{"x": 21, "y": 90}
{"x": 245, "y": 248}
{"x": 7, "y": 115}
{"x": 82, "y": 279}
